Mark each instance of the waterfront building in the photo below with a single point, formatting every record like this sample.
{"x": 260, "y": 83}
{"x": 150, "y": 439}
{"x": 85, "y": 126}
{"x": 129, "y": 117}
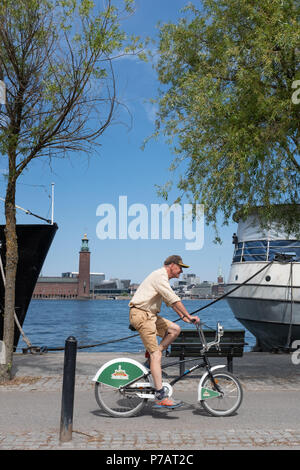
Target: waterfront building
{"x": 190, "y": 287}
{"x": 84, "y": 269}
{"x": 96, "y": 279}
{"x": 82, "y": 284}
{"x": 112, "y": 287}
{"x": 202, "y": 290}
{"x": 218, "y": 289}
{"x": 133, "y": 288}
{"x": 70, "y": 285}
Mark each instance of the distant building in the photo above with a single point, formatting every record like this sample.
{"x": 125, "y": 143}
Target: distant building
{"x": 187, "y": 279}
{"x": 190, "y": 287}
{"x": 95, "y": 279}
{"x": 133, "y": 288}
{"x": 68, "y": 274}
{"x": 221, "y": 286}
{"x": 56, "y": 288}
{"x": 70, "y": 285}
{"x": 80, "y": 285}
{"x": 112, "y": 287}
{"x": 202, "y": 290}
{"x": 84, "y": 269}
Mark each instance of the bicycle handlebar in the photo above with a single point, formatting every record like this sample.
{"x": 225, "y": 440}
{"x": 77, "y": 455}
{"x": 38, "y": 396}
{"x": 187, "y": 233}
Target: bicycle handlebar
{"x": 216, "y": 342}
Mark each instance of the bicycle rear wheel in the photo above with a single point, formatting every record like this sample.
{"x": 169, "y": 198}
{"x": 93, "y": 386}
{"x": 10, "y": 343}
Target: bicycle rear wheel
{"x": 231, "y": 397}
{"x": 116, "y": 403}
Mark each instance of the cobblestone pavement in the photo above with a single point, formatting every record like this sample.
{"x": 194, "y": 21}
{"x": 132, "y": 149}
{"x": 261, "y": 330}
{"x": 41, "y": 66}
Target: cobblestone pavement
{"x": 233, "y": 439}
{"x": 168, "y": 434}
{"x": 148, "y": 440}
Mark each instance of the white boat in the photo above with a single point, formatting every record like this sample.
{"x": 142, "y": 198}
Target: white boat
{"x": 268, "y": 305}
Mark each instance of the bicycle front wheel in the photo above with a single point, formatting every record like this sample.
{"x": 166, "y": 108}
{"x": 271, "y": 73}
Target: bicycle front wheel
{"x": 116, "y": 403}
{"x": 230, "y": 398}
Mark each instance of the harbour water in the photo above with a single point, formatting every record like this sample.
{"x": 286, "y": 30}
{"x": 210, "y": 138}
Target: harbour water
{"x": 49, "y": 323}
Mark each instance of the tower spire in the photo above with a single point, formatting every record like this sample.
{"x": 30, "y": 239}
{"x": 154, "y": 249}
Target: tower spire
{"x": 85, "y": 243}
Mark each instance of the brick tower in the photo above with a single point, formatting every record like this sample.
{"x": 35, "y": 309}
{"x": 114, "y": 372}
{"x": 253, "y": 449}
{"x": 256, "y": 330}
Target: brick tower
{"x": 84, "y": 270}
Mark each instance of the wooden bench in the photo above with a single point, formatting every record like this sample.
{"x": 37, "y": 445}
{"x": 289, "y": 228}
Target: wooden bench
{"x": 188, "y": 344}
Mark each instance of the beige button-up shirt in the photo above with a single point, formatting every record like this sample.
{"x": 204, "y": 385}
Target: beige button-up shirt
{"x": 152, "y": 291}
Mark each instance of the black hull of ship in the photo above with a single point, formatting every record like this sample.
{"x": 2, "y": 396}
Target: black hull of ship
{"x": 34, "y": 242}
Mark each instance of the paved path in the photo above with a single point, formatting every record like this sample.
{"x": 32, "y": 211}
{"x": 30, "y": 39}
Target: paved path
{"x": 268, "y": 418}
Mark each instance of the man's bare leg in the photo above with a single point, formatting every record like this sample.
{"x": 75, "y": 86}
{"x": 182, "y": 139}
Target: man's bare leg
{"x": 155, "y": 357}
{"x": 155, "y": 367}
{"x": 171, "y": 334}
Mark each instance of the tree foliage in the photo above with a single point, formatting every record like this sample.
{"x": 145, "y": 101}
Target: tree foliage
{"x": 227, "y": 71}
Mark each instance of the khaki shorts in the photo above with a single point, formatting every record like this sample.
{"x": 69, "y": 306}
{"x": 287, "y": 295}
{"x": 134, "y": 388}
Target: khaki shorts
{"x": 149, "y": 325}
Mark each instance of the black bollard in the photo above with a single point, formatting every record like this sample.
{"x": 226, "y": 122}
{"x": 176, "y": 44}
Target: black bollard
{"x": 67, "y": 403}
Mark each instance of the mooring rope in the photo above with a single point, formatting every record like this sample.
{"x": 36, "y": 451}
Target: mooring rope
{"x": 97, "y": 344}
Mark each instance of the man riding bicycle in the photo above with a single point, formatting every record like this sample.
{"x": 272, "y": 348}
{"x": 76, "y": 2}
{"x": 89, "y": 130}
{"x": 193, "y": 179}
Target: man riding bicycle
{"x": 144, "y": 308}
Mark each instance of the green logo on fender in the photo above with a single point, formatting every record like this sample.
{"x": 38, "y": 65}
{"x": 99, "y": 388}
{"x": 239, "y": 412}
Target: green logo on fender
{"x": 119, "y": 374}
{"x": 208, "y": 393}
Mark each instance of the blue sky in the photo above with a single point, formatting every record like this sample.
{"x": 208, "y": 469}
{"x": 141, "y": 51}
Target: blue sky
{"x": 119, "y": 167}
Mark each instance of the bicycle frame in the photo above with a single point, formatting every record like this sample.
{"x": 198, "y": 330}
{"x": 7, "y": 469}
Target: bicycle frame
{"x": 204, "y": 364}
{"x": 149, "y": 389}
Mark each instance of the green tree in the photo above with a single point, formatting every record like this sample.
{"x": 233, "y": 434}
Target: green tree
{"x": 56, "y": 62}
{"x": 228, "y": 71}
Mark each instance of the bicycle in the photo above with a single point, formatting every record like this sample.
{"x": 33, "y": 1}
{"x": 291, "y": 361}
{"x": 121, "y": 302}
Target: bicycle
{"x": 123, "y": 385}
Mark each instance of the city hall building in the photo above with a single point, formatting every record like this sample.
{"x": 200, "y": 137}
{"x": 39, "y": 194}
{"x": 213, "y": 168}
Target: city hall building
{"x": 69, "y": 285}
{"x": 81, "y": 285}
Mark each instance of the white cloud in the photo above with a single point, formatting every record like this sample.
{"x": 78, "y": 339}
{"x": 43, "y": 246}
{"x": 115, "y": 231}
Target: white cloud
{"x": 151, "y": 110}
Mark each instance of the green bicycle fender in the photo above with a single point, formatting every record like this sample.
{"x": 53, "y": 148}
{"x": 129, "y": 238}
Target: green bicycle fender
{"x": 119, "y": 372}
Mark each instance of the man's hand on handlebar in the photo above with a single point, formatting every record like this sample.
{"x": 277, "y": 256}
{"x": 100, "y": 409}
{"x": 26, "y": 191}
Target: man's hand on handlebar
{"x": 180, "y": 309}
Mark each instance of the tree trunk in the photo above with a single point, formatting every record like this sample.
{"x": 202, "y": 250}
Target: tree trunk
{"x": 10, "y": 274}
